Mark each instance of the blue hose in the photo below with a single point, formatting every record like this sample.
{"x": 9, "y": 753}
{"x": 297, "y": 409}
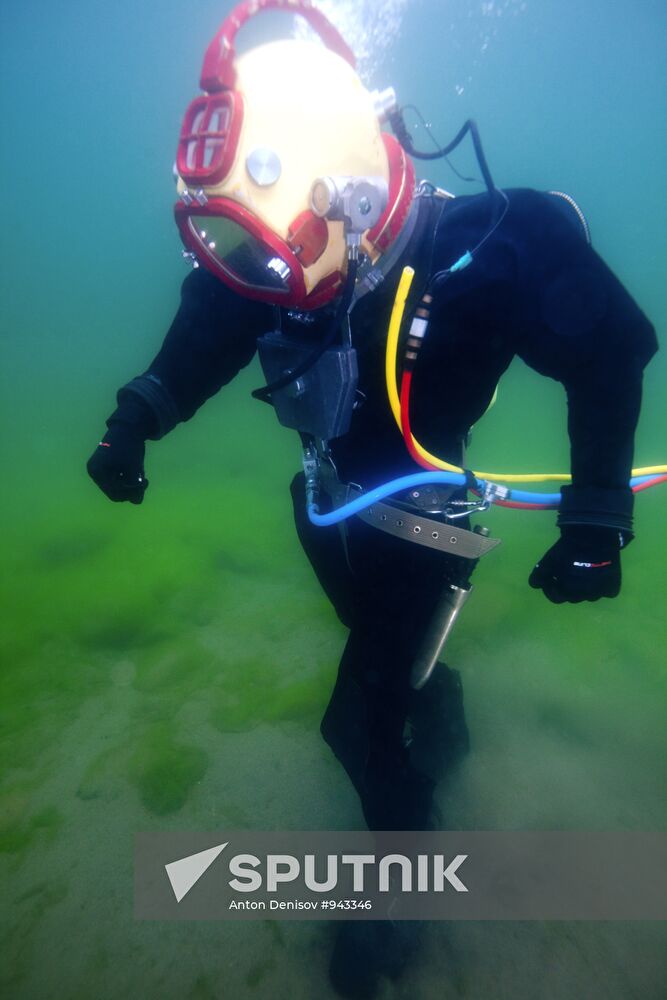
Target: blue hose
{"x": 425, "y": 479}
{"x": 522, "y": 496}
{"x": 380, "y": 492}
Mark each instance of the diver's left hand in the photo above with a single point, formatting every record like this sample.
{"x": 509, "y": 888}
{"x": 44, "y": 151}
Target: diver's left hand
{"x": 583, "y": 565}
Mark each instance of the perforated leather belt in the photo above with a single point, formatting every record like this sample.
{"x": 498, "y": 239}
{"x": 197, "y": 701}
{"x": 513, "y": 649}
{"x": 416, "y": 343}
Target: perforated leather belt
{"x": 427, "y": 531}
{"x": 419, "y": 528}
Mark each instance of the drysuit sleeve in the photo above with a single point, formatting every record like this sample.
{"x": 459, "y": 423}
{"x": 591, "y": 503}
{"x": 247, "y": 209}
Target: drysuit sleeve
{"x": 212, "y": 337}
{"x": 588, "y": 333}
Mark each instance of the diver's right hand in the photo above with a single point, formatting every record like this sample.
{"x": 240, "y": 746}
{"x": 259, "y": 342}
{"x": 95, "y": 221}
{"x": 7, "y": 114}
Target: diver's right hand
{"x": 117, "y": 464}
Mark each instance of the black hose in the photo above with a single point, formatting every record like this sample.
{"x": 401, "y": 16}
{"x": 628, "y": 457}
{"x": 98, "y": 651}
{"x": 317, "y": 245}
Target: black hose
{"x": 497, "y": 196}
{"x": 401, "y": 131}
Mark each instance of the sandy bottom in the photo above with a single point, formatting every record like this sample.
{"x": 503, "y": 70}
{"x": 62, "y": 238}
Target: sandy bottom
{"x": 171, "y": 674}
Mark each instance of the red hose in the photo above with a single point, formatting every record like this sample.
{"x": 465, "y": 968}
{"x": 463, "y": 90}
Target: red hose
{"x": 518, "y": 505}
{"x": 406, "y": 383}
{"x": 649, "y": 482}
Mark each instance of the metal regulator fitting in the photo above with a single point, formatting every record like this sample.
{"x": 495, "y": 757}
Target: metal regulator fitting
{"x": 357, "y": 202}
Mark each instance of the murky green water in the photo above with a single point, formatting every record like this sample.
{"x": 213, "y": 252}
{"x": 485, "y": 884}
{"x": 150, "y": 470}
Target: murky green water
{"x": 166, "y": 666}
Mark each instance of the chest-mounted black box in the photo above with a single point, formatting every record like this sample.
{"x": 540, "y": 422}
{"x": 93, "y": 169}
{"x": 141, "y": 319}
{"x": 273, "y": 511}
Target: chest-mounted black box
{"x": 319, "y": 402}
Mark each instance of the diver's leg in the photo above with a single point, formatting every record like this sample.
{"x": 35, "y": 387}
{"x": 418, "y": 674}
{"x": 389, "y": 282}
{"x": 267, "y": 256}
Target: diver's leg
{"x": 364, "y": 725}
{"x": 396, "y": 744}
{"x": 386, "y": 590}
{"x": 393, "y": 766}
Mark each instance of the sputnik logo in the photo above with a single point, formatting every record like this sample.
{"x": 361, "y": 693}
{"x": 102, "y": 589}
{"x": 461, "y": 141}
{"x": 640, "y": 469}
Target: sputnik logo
{"x": 186, "y": 871}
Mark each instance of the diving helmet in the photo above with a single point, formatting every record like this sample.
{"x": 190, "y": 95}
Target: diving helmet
{"x": 264, "y": 150}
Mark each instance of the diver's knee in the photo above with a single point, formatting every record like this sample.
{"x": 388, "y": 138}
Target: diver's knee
{"x": 345, "y": 728}
{"x": 437, "y": 729}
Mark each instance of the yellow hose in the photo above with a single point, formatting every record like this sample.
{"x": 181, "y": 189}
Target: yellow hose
{"x": 392, "y": 392}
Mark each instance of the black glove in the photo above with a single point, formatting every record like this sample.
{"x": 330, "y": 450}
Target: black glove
{"x": 583, "y": 565}
{"x": 117, "y": 464}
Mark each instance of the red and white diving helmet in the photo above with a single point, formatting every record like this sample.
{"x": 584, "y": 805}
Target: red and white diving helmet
{"x": 270, "y": 124}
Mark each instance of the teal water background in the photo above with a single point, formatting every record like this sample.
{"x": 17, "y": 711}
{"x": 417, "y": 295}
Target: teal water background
{"x": 166, "y": 666}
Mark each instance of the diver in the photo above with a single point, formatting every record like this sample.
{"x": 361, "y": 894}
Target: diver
{"x": 300, "y": 214}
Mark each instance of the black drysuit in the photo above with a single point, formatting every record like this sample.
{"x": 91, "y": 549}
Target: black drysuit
{"x": 537, "y": 289}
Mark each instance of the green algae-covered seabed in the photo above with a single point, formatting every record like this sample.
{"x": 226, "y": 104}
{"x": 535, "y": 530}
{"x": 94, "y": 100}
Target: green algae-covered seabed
{"x": 166, "y": 667}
